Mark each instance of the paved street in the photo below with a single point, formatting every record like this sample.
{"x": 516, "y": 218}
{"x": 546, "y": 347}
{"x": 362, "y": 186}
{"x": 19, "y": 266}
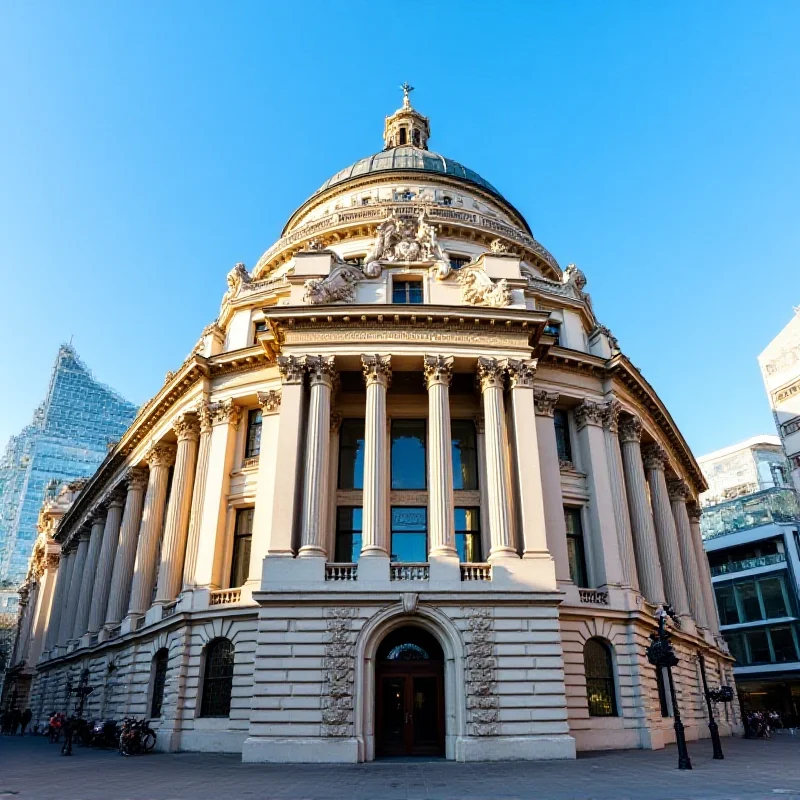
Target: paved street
{"x": 32, "y": 769}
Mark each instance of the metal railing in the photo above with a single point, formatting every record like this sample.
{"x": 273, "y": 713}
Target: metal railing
{"x": 409, "y": 572}
{"x": 476, "y": 572}
{"x": 761, "y": 508}
{"x": 224, "y": 597}
{"x": 341, "y": 572}
{"x": 749, "y": 563}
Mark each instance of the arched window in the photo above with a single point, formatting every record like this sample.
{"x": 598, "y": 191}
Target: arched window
{"x": 217, "y": 679}
{"x": 599, "y": 668}
{"x": 159, "y": 679}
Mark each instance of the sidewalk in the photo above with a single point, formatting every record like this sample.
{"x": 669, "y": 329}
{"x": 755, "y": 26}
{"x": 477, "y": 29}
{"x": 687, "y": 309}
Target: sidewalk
{"x": 33, "y": 769}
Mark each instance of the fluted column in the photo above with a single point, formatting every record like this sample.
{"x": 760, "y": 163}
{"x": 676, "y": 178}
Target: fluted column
{"x": 105, "y": 563}
{"x": 704, "y": 569}
{"x": 648, "y": 561}
{"x": 618, "y": 493}
{"x": 374, "y": 537}
{"x": 160, "y": 458}
{"x": 198, "y": 495}
{"x": 65, "y": 634}
{"x": 176, "y": 525}
{"x": 62, "y": 585}
{"x": 333, "y": 478}
{"x": 555, "y": 523}
{"x": 321, "y": 376}
{"x": 655, "y": 459}
{"x": 44, "y": 607}
{"x": 441, "y": 532}
{"x": 678, "y": 494}
{"x": 89, "y": 573}
{"x": 125, "y": 557}
{"x": 491, "y": 377}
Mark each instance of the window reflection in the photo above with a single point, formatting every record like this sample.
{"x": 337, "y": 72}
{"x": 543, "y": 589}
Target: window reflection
{"x": 409, "y": 534}
{"x": 351, "y": 454}
{"x": 348, "y": 534}
{"x": 468, "y": 535}
{"x": 408, "y": 454}
{"x": 465, "y": 454}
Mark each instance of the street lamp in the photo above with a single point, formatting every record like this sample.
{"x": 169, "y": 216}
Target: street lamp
{"x": 724, "y": 694}
{"x": 81, "y": 692}
{"x": 661, "y": 654}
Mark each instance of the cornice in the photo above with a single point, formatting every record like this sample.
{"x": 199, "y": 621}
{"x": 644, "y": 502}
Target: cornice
{"x": 243, "y": 360}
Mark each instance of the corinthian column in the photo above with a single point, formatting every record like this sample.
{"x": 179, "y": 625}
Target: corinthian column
{"x": 160, "y": 458}
{"x": 198, "y": 495}
{"x": 491, "y": 376}
{"x": 678, "y": 494}
{"x": 441, "y": 532}
{"x": 59, "y": 598}
{"x": 618, "y": 495}
{"x": 71, "y": 610}
{"x": 321, "y": 375}
{"x": 655, "y": 459}
{"x": 89, "y": 576}
{"x": 377, "y": 375}
{"x": 105, "y": 563}
{"x": 176, "y": 526}
{"x": 704, "y": 570}
{"x": 642, "y": 526}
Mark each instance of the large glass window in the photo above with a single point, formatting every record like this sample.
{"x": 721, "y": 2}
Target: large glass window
{"x": 758, "y": 644}
{"x": 409, "y": 534}
{"x": 726, "y": 605}
{"x": 753, "y": 600}
{"x": 772, "y": 596}
{"x": 408, "y": 454}
{"x": 768, "y": 645}
{"x": 599, "y": 670}
{"x": 159, "y": 679}
{"x": 468, "y": 534}
{"x": 575, "y": 550}
{"x": 783, "y": 644}
{"x": 242, "y": 541}
{"x": 408, "y": 292}
{"x": 749, "y": 607}
{"x": 253, "y": 447}
{"x": 465, "y": 454}
{"x": 351, "y": 454}
{"x": 563, "y": 444}
{"x": 218, "y": 679}
{"x": 348, "y": 534}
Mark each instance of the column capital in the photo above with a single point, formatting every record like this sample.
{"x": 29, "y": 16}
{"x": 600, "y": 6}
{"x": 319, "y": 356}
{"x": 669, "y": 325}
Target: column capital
{"x": 438, "y": 369}
{"x": 98, "y": 514}
{"x": 654, "y": 456}
{"x": 225, "y": 412}
{"x": 611, "y": 412}
{"x": 630, "y": 430}
{"x": 291, "y": 368}
{"x": 186, "y": 426}
{"x": 588, "y": 413}
{"x": 695, "y": 514}
{"x": 545, "y": 402}
{"x": 492, "y": 373}
{"x": 114, "y": 498}
{"x": 270, "y": 401}
{"x": 136, "y": 478}
{"x": 321, "y": 370}
{"x": 521, "y": 372}
{"x": 84, "y": 533}
{"x": 377, "y": 369}
{"x": 678, "y": 490}
{"x": 203, "y": 415}
{"x": 336, "y": 421}
{"x": 161, "y": 455}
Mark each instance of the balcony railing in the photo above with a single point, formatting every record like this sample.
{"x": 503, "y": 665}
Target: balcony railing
{"x": 341, "y": 572}
{"x": 762, "y": 508}
{"x": 595, "y": 597}
{"x": 748, "y": 563}
{"x": 476, "y": 572}
{"x": 224, "y": 597}
{"x": 169, "y": 610}
{"x": 409, "y": 572}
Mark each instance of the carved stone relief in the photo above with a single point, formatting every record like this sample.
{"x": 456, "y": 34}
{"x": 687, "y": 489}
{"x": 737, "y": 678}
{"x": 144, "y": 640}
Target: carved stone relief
{"x": 406, "y": 240}
{"x": 339, "y": 286}
{"x": 337, "y": 701}
{"x": 482, "y": 699}
{"x": 478, "y": 289}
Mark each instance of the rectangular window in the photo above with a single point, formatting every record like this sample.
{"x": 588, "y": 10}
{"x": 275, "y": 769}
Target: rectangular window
{"x": 726, "y": 604}
{"x": 783, "y": 644}
{"x": 253, "y": 446}
{"x": 409, "y": 534}
{"x": 465, "y": 454}
{"x": 553, "y": 329}
{"x": 738, "y": 650}
{"x": 456, "y": 262}
{"x": 258, "y": 329}
{"x": 575, "y": 551}
{"x": 351, "y": 454}
{"x": 747, "y": 599}
{"x": 348, "y": 534}
{"x": 242, "y": 540}
{"x": 758, "y": 645}
{"x": 407, "y": 292}
{"x": 563, "y": 444}
{"x": 409, "y": 468}
{"x": 772, "y": 596}
{"x": 468, "y": 535}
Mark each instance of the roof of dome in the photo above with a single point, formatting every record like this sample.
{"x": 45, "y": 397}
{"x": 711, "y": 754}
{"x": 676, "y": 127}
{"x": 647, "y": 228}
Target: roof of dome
{"x": 414, "y": 159}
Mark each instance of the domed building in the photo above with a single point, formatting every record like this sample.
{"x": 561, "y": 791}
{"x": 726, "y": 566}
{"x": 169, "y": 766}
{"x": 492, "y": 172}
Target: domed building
{"x": 406, "y": 496}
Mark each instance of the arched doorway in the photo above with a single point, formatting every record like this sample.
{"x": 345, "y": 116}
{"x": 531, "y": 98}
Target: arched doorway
{"x": 409, "y": 694}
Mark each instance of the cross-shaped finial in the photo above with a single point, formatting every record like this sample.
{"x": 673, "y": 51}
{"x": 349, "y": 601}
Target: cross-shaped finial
{"x": 407, "y": 89}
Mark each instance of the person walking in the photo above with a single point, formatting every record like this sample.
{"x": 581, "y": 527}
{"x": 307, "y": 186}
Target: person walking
{"x": 25, "y": 720}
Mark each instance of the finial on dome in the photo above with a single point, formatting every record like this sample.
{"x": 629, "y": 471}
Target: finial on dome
{"x": 407, "y": 89}
{"x": 406, "y": 126}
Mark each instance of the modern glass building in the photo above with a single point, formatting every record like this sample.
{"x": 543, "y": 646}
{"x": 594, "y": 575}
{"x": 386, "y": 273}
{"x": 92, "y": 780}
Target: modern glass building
{"x": 67, "y": 439}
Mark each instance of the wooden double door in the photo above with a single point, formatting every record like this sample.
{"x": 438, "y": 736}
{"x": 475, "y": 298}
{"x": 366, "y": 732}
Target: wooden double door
{"x": 409, "y": 709}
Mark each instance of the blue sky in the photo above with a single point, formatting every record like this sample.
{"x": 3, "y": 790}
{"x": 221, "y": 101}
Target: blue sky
{"x": 145, "y": 147}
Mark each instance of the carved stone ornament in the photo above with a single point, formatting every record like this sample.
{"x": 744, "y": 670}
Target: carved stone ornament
{"x": 438, "y": 369}
{"x": 339, "y": 672}
{"x": 237, "y": 278}
{"x": 186, "y": 427}
{"x": 545, "y": 402}
{"x": 314, "y": 246}
{"x": 321, "y": 369}
{"x": 695, "y": 514}
{"x": 336, "y": 421}
{"x": 270, "y": 401}
{"x": 612, "y": 340}
{"x": 611, "y": 412}
{"x": 291, "y": 368}
{"x": 410, "y": 602}
{"x": 478, "y": 289}
{"x": 136, "y": 478}
{"x": 588, "y": 413}
{"x": 161, "y": 455}
{"x": 678, "y": 490}
{"x": 654, "y": 456}
{"x": 338, "y": 287}
{"x": 630, "y": 430}
{"x": 498, "y": 246}
{"x": 224, "y": 412}
{"x": 483, "y": 702}
{"x": 406, "y": 240}
{"x": 377, "y": 369}
{"x": 521, "y": 372}
{"x": 203, "y": 416}
{"x": 491, "y": 373}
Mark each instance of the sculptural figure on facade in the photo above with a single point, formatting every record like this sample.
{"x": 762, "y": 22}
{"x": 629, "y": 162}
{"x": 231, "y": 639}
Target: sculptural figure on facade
{"x": 407, "y": 241}
{"x": 339, "y": 286}
{"x": 478, "y": 289}
{"x": 237, "y": 277}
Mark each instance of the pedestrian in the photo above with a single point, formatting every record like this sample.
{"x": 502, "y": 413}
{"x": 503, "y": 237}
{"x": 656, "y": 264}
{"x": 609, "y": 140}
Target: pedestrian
{"x": 25, "y": 720}
{"x": 16, "y": 718}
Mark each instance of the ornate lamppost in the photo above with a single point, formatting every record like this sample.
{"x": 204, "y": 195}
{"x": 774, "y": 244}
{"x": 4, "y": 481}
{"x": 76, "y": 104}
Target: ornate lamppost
{"x": 724, "y": 694}
{"x": 82, "y": 691}
{"x": 661, "y": 654}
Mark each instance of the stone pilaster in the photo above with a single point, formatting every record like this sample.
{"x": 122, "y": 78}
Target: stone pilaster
{"x": 333, "y": 478}
{"x": 374, "y": 537}
{"x": 648, "y": 561}
{"x": 105, "y": 563}
{"x": 160, "y": 458}
{"x": 198, "y": 494}
{"x": 176, "y": 525}
{"x": 89, "y": 574}
{"x": 321, "y": 377}
{"x": 76, "y": 582}
{"x": 655, "y": 459}
{"x": 62, "y": 585}
{"x": 441, "y": 533}
{"x": 703, "y": 568}
{"x": 491, "y": 378}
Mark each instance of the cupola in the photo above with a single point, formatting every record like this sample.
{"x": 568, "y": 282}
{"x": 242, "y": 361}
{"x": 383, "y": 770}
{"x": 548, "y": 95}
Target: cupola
{"x": 406, "y": 126}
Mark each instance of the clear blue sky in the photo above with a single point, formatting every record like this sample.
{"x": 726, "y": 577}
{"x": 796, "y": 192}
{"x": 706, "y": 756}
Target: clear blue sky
{"x": 145, "y": 147}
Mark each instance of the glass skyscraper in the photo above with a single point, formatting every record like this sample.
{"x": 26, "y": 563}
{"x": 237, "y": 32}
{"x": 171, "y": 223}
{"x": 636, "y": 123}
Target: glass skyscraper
{"x": 67, "y": 439}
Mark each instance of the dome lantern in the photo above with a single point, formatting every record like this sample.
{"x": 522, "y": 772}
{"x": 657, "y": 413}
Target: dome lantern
{"x": 406, "y": 126}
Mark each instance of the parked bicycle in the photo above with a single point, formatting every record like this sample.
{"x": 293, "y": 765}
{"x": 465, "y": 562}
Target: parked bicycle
{"x": 136, "y": 737}
{"x": 105, "y": 733}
